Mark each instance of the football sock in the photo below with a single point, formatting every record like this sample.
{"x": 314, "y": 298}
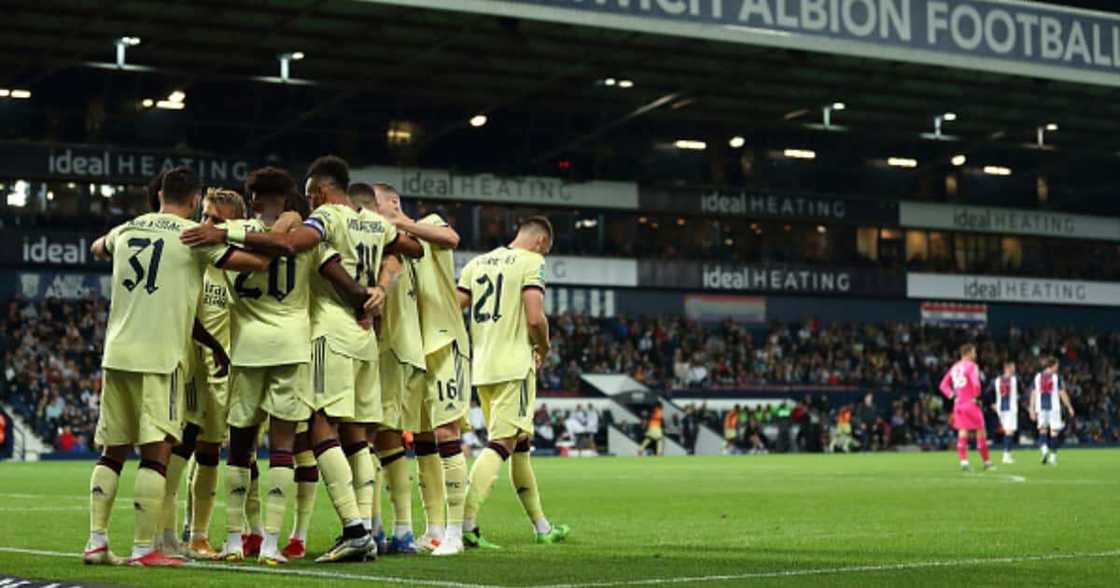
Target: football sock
{"x": 1007, "y": 443}
{"x": 147, "y": 498}
{"x": 253, "y": 500}
{"x": 307, "y": 486}
{"x": 395, "y": 469}
{"x": 336, "y": 474}
{"x": 429, "y": 471}
{"x": 102, "y": 492}
{"x": 238, "y": 481}
{"x": 205, "y": 489}
{"x": 1044, "y": 439}
{"x": 962, "y": 448}
{"x": 982, "y": 445}
{"x": 281, "y": 488}
{"x": 483, "y": 475}
{"x": 524, "y": 482}
{"x": 364, "y": 477}
{"x": 373, "y": 522}
{"x": 455, "y": 480}
{"x": 1055, "y": 442}
{"x": 176, "y": 465}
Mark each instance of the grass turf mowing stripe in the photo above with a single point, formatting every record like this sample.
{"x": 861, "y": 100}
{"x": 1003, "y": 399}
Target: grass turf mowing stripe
{"x": 979, "y": 561}
{"x": 220, "y": 567}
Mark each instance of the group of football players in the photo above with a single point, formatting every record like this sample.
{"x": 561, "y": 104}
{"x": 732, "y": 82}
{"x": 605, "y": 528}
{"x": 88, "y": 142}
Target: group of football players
{"x": 334, "y": 320}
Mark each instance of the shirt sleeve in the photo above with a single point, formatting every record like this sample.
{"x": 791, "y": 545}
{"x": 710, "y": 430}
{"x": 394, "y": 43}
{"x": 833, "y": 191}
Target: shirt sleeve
{"x": 533, "y": 273}
{"x": 325, "y": 254}
{"x": 322, "y": 220}
{"x": 111, "y": 237}
{"x": 465, "y": 278}
{"x": 391, "y": 234}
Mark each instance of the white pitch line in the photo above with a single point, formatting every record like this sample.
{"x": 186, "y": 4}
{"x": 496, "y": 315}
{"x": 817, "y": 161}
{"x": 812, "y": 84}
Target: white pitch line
{"x": 636, "y": 582}
{"x": 839, "y": 570}
{"x": 248, "y": 569}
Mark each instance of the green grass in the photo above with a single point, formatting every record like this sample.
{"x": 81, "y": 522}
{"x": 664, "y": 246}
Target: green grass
{"x": 685, "y": 518}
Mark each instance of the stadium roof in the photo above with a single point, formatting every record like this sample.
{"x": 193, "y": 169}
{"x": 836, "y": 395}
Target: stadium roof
{"x": 541, "y": 84}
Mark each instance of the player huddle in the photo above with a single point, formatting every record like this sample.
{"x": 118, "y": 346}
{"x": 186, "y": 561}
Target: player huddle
{"x": 962, "y": 384}
{"x": 335, "y": 321}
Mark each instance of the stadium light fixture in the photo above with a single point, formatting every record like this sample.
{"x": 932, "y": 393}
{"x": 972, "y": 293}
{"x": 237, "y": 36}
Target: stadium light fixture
{"x": 478, "y": 120}
{"x": 737, "y": 141}
{"x": 286, "y": 60}
{"x": 902, "y": 162}
{"x": 690, "y": 144}
{"x": 959, "y": 160}
{"x": 177, "y": 96}
{"x": 610, "y": 82}
{"x": 169, "y": 105}
{"x": 941, "y": 119}
{"x": 800, "y": 154}
{"x": 122, "y": 44}
{"x": 826, "y": 112}
{"x": 148, "y": 103}
{"x": 17, "y": 94}
{"x": 626, "y": 83}
{"x": 1043, "y": 129}
{"x": 997, "y": 170}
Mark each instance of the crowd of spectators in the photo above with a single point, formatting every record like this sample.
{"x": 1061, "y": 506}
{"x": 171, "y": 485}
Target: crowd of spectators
{"x": 51, "y": 353}
{"x": 907, "y": 360}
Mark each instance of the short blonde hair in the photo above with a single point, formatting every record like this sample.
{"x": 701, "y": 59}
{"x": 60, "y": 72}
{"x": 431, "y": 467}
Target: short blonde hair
{"x": 225, "y": 196}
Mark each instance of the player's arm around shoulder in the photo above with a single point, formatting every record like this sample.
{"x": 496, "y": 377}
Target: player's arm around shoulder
{"x": 102, "y": 247}
{"x": 432, "y": 229}
{"x": 232, "y": 258}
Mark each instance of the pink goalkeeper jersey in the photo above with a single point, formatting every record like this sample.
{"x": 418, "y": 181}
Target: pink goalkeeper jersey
{"x": 962, "y": 382}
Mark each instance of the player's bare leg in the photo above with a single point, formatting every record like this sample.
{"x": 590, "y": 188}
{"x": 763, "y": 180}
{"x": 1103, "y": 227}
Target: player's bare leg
{"x": 394, "y": 467}
{"x": 355, "y": 541}
{"x": 102, "y": 492}
{"x": 307, "y": 486}
{"x": 204, "y": 489}
{"x": 281, "y": 487}
{"x": 147, "y": 498}
{"x": 449, "y": 444}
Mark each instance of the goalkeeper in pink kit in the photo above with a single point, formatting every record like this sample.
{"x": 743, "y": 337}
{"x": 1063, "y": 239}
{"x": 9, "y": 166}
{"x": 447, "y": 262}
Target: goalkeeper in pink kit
{"x": 962, "y": 384}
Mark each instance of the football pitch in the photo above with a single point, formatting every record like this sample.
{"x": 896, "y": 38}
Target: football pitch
{"x": 777, "y": 520}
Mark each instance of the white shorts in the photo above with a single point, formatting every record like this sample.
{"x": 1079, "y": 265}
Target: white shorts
{"x": 1051, "y": 419}
{"x": 1009, "y": 420}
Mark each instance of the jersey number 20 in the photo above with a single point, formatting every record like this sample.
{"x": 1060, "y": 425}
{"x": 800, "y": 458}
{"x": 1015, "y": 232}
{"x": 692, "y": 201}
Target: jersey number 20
{"x": 274, "y": 288}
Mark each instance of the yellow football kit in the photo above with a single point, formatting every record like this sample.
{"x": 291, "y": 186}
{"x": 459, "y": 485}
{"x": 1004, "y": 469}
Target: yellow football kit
{"x": 344, "y": 355}
{"x": 207, "y": 395}
{"x": 402, "y": 354}
{"x": 156, "y": 286}
{"x": 270, "y": 373}
{"x": 502, "y": 364}
{"x": 446, "y": 344}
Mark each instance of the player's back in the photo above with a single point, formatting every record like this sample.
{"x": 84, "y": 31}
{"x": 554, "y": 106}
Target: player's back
{"x": 155, "y": 292}
{"x": 271, "y": 322}
{"x": 965, "y": 379}
{"x": 359, "y": 238}
{"x": 1046, "y": 385}
{"x": 502, "y": 350}
{"x": 1007, "y": 392}
{"x": 441, "y": 320}
{"x": 400, "y": 319}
